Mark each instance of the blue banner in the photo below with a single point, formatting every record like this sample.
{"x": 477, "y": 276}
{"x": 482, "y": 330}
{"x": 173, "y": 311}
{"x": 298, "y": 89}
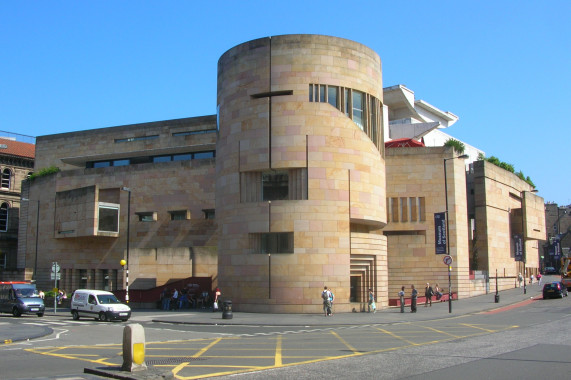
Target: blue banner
{"x": 518, "y": 247}
{"x": 440, "y": 232}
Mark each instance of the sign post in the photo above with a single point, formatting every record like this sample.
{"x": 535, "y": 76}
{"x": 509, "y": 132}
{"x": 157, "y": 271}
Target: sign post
{"x": 55, "y": 275}
{"x": 448, "y": 261}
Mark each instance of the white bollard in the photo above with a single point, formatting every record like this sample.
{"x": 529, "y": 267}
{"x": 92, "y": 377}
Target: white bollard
{"x": 134, "y": 348}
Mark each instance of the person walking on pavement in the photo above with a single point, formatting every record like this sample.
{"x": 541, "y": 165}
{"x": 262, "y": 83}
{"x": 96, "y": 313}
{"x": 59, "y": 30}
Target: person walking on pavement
{"x": 539, "y": 278}
{"x": 331, "y": 299}
{"x": 401, "y": 296}
{"x": 326, "y": 297}
{"x": 413, "y": 295}
{"x": 428, "y": 293}
{"x": 520, "y": 279}
{"x": 372, "y": 305}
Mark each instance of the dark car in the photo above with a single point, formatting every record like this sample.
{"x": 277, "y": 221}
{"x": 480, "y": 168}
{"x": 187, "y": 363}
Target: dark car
{"x": 554, "y": 290}
{"x": 550, "y": 270}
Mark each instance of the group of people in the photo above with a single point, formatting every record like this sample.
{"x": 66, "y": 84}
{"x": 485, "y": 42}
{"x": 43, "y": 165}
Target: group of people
{"x": 175, "y": 300}
{"x": 531, "y": 278}
{"x": 429, "y": 292}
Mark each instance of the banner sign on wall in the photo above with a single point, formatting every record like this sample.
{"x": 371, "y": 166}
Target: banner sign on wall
{"x": 518, "y": 247}
{"x": 440, "y": 232}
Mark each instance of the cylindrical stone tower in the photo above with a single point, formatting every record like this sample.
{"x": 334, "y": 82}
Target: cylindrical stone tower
{"x": 300, "y": 191}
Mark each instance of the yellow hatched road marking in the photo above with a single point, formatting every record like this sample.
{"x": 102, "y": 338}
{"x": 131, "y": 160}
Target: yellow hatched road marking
{"x": 202, "y": 351}
{"x": 346, "y": 343}
{"x": 397, "y": 336}
{"x": 278, "y": 361}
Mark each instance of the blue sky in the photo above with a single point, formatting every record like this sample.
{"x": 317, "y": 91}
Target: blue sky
{"x": 504, "y": 67}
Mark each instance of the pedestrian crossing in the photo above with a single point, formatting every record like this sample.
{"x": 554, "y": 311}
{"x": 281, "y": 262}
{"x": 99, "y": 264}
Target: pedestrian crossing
{"x": 47, "y": 322}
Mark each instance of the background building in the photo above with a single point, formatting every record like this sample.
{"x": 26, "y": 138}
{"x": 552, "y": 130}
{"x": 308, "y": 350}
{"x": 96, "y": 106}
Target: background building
{"x": 16, "y": 164}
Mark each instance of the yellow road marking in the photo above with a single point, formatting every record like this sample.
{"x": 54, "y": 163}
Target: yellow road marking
{"x": 199, "y": 353}
{"x": 397, "y": 336}
{"x": 441, "y": 332}
{"x": 346, "y": 343}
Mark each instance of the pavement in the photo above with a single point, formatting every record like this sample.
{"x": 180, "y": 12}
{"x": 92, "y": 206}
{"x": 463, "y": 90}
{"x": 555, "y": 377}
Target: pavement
{"x": 10, "y": 332}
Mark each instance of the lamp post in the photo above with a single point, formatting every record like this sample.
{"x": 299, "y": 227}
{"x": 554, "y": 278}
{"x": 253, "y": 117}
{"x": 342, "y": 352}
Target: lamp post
{"x": 269, "y": 254}
{"x": 125, "y": 263}
{"x": 523, "y": 223}
{"x": 37, "y": 233}
{"x": 464, "y": 156}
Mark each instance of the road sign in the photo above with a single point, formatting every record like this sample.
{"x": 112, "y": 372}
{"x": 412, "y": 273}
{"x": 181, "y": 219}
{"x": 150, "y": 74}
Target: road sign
{"x": 54, "y": 276}
{"x": 55, "y": 268}
{"x": 447, "y": 259}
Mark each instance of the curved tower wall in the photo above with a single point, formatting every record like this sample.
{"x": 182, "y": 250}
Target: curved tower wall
{"x": 300, "y": 192}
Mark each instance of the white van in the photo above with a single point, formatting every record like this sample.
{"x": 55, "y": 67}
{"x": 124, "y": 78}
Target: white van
{"x": 98, "y": 304}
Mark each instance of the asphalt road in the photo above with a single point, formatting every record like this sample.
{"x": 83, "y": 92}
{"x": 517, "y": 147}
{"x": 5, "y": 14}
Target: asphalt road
{"x": 518, "y": 338}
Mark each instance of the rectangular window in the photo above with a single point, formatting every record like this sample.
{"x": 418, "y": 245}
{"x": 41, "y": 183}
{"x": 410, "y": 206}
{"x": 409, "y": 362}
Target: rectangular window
{"x": 209, "y": 213}
{"x": 332, "y": 96}
{"x": 404, "y": 210}
{"x": 421, "y": 209}
{"x": 311, "y": 93}
{"x": 272, "y": 242}
{"x": 322, "y": 93}
{"x": 121, "y": 162}
{"x": 275, "y": 185}
{"x": 157, "y": 159}
{"x": 182, "y": 157}
{"x": 147, "y": 216}
{"x": 129, "y": 139}
{"x": 395, "y": 209}
{"x": 347, "y": 102}
{"x": 358, "y": 108}
{"x": 180, "y": 215}
{"x": 201, "y": 155}
{"x": 108, "y": 217}
{"x": 203, "y": 131}
{"x": 83, "y": 279}
{"x": 413, "y": 209}
{"x": 101, "y": 164}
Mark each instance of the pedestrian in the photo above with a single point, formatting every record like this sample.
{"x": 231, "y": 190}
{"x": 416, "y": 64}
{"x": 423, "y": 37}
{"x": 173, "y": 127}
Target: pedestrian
{"x": 331, "y": 299}
{"x": 326, "y": 297}
{"x": 520, "y": 279}
{"x": 413, "y": 295}
{"x": 174, "y": 299}
{"x": 531, "y": 279}
{"x": 217, "y": 294}
{"x": 428, "y": 293}
{"x": 42, "y": 294}
{"x": 539, "y": 278}
{"x": 438, "y": 292}
{"x": 401, "y": 296}
{"x": 165, "y": 298}
{"x": 372, "y": 304}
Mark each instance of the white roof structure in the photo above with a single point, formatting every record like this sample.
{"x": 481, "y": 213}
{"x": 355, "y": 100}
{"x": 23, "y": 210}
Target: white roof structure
{"x": 419, "y": 120}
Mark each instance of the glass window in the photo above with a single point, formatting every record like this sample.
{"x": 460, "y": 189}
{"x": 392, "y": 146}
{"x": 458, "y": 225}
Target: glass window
{"x": 276, "y": 242}
{"x": 332, "y": 97}
{"x": 121, "y": 162}
{"x": 275, "y": 185}
{"x": 161, "y": 159}
{"x": 311, "y": 93}
{"x": 182, "y": 157}
{"x": 358, "y": 103}
{"x": 347, "y": 96}
{"x": 108, "y": 218}
{"x": 146, "y": 216}
{"x": 179, "y": 215}
{"x": 6, "y": 178}
{"x": 101, "y": 164}
{"x": 4, "y": 217}
{"x": 322, "y": 93}
{"x": 200, "y": 155}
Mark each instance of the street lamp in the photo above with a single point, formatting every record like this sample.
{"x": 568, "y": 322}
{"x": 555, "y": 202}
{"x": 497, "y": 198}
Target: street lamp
{"x": 269, "y": 253}
{"x": 37, "y": 233}
{"x": 523, "y": 223}
{"x": 464, "y": 156}
{"x": 125, "y": 263}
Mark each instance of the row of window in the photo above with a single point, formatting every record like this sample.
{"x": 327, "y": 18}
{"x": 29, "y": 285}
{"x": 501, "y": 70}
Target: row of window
{"x": 152, "y": 159}
{"x": 406, "y": 209}
{"x": 273, "y": 185}
{"x": 153, "y": 137}
{"x": 362, "y": 108}
{"x": 109, "y": 216}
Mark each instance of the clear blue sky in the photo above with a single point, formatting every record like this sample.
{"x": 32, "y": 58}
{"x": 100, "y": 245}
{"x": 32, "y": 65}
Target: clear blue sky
{"x": 502, "y": 66}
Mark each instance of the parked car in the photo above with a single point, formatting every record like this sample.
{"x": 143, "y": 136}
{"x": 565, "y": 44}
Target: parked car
{"x": 554, "y": 290}
{"x": 550, "y": 270}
